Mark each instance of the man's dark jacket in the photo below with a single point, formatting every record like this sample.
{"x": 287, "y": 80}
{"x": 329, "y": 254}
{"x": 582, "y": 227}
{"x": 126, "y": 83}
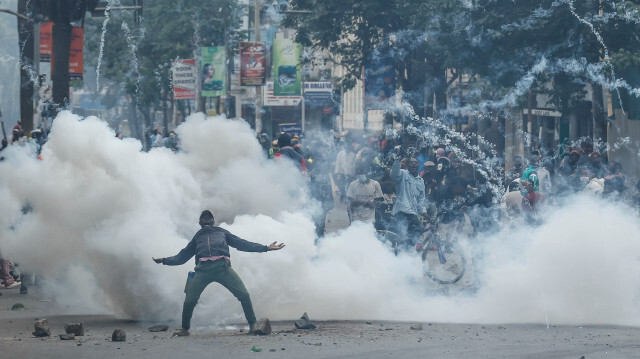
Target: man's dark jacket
{"x": 212, "y": 241}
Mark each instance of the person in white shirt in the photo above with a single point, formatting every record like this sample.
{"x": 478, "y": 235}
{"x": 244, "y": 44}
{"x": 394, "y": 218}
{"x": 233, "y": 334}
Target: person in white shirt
{"x": 363, "y": 195}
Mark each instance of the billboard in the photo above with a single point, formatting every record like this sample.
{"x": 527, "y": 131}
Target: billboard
{"x": 253, "y": 63}
{"x": 318, "y": 93}
{"x": 214, "y": 74}
{"x": 380, "y": 83}
{"x": 76, "y": 51}
{"x": 269, "y": 99}
{"x": 76, "y": 54}
{"x": 286, "y": 68}
{"x": 46, "y": 41}
{"x": 184, "y": 79}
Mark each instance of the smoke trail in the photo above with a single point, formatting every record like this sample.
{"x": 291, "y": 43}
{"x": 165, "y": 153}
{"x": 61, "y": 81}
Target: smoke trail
{"x": 107, "y": 15}
{"x": 133, "y": 46}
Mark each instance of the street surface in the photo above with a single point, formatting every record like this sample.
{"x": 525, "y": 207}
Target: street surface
{"x": 331, "y": 339}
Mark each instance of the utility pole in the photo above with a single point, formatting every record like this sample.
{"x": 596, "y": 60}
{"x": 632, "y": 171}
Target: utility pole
{"x": 258, "y": 110}
{"x": 61, "y": 34}
{"x": 28, "y": 64}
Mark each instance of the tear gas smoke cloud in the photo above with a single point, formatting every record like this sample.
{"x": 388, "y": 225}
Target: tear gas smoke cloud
{"x": 102, "y": 209}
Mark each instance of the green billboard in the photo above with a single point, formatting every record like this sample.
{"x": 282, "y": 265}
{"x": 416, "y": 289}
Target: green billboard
{"x": 287, "y": 80}
{"x": 214, "y": 76}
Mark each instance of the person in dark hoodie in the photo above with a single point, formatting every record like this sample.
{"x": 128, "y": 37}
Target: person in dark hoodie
{"x": 210, "y": 246}
{"x": 286, "y": 151}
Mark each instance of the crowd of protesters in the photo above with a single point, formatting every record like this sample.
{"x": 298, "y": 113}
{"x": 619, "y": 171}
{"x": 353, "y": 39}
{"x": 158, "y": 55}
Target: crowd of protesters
{"x": 400, "y": 184}
{"x": 400, "y": 181}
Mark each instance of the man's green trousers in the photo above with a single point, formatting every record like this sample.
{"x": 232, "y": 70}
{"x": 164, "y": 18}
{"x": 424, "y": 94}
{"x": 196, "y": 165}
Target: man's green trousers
{"x": 219, "y": 271}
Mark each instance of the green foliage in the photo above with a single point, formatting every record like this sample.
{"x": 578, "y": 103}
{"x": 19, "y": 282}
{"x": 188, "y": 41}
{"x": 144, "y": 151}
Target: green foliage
{"x": 499, "y": 40}
{"x": 137, "y": 57}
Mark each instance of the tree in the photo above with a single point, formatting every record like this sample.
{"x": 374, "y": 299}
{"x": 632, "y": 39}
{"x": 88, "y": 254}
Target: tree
{"x": 511, "y": 46}
{"x": 137, "y": 57}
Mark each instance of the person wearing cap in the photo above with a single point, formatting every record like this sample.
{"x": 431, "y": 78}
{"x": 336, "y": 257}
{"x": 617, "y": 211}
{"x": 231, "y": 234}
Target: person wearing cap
{"x": 210, "y": 246}
{"x": 511, "y": 203}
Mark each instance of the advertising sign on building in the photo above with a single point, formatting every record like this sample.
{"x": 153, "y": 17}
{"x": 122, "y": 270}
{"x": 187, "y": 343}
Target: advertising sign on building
{"x": 214, "y": 74}
{"x": 380, "y": 83}
{"x": 291, "y": 128}
{"x": 269, "y": 99}
{"x": 253, "y": 63}
{"x": 184, "y": 79}
{"x": 76, "y": 54}
{"x": 286, "y": 68}
{"x": 318, "y": 93}
{"x": 46, "y": 41}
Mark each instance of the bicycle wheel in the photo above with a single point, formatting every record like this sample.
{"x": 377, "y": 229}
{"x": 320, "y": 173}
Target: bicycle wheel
{"x": 390, "y": 238}
{"x": 443, "y": 261}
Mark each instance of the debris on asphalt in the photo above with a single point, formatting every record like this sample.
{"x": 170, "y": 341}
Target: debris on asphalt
{"x": 304, "y": 322}
{"x": 416, "y": 327}
{"x": 159, "y": 328}
{"x": 41, "y": 328}
{"x": 255, "y": 350}
{"x": 76, "y": 329}
{"x": 67, "y": 336}
{"x": 262, "y": 327}
{"x": 17, "y": 306}
{"x": 118, "y": 336}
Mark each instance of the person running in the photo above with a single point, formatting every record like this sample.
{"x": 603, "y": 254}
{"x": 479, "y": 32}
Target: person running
{"x": 210, "y": 246}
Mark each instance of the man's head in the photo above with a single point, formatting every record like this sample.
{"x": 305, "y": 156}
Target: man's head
{"x": 594, "y": 158}
{"x": 412, "y": 166}
{"x": 455, "y": 162}
{"x": 362, "y": 172}
{"x": 517, "y": 162}
{"x": 527, "y": 185}
{"x": 535, "y": 158}
{"x": 514, "y": 185}
{"x": 574, "y": 156}
{"x": 429, "y": 166}
{"x": 614, "y": 167}
{"x": 206, "y": 218}
{"x": 284, "y": 140}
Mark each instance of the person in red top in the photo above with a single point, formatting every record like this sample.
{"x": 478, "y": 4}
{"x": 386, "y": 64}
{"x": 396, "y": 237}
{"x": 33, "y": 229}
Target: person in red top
{"x": 286, "y": 151}
{"x": 531, "y": 201}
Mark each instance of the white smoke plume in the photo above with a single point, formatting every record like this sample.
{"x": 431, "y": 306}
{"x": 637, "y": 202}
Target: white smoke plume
{"x": 101, "y": 209}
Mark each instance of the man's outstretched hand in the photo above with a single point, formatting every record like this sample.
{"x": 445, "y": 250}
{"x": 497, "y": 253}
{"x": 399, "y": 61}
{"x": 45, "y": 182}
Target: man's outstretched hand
{"x": 157, "y": 260}
{"x": 274, "y": 247}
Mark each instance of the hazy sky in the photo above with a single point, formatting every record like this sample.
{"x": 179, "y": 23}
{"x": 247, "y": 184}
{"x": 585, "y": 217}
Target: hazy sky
{"x": 9, "y": 67}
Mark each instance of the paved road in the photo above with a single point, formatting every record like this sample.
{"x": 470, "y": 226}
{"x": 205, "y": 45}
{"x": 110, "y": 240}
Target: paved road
{"x": 332, "y": 339}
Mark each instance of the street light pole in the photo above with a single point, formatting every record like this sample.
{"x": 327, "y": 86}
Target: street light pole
{"x": 258, "y": 102}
